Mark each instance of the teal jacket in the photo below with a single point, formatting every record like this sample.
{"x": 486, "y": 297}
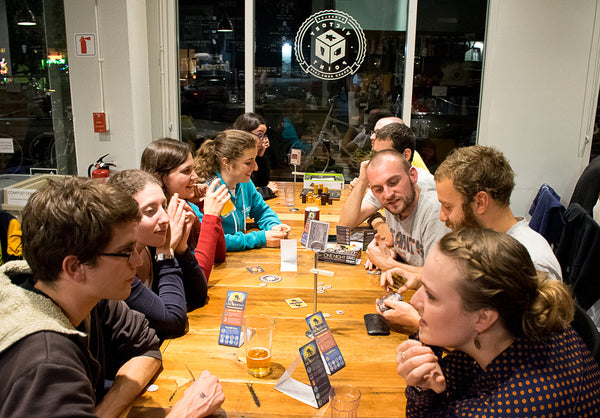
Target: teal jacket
{"x": 248, "y": 204}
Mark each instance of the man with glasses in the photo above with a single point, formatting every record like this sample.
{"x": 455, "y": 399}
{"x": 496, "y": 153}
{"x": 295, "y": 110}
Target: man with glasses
{"x": 64, "y": 329}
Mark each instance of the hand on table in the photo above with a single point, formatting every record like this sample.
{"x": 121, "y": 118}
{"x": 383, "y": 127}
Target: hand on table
{"x": 201, "y": 399}
{"x": 419, "y": 366}
{"x": 282, "y": 228}
{"x": 273, "y": 238}
{"x": 402, "y": 314}
{"x": 380, "y": 254}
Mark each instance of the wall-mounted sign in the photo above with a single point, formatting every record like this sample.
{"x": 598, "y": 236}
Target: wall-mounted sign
{"x": 330, "y": 45}
{"x": 85, "y": 44}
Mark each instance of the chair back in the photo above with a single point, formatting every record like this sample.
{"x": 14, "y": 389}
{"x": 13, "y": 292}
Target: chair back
{"x": 587, "y": 330}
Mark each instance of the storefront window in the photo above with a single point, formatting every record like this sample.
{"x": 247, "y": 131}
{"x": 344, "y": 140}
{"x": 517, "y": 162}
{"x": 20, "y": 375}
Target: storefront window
{"x": 36, "y": 129}
{"x": 211, "y": 66}
{"x": 322, "y": 67}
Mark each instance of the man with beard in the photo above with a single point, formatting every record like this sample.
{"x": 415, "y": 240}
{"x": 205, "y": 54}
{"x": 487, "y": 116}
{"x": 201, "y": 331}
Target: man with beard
{"x": 474, "y": 185}
{"x": 411, "y": 215}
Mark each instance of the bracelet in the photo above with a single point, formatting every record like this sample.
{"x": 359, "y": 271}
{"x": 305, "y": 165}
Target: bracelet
{"x": 374, "y": 216}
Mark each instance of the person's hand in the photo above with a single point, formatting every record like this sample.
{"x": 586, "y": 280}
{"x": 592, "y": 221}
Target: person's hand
{"x": 419, "y": 366}
{"x": 177, "y": 220}
{"x": 362, "y": 174}
{"x": 369, "y": 266}
{"x": 201, "y": 399}
{"x": 282, "y": 228}
{"x": 412, "y": 279}
{"x": 273, "y": 238}
{"x": 379, "y": 253}
{"x": 199, "y": 193}
{"x": 402, "y": 314}
{"x": 273, "y": 187}
{"x": 262, "y": 146}
{"x": 216, "y": 197}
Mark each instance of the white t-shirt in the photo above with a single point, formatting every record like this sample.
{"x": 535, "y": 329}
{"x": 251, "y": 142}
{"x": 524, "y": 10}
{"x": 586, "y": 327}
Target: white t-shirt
{"x": 539, "y": 250}
{"x": 416, "y": 235}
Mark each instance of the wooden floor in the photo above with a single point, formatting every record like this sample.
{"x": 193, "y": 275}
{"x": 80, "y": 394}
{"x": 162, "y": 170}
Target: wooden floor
{"x": 370, "y": 360}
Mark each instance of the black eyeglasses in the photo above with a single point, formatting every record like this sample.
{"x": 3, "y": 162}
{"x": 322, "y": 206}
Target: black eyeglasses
{"x": 125, "y": 254}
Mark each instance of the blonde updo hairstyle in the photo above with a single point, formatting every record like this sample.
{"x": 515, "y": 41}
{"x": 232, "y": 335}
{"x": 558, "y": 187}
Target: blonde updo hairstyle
{"x": 499, "y": 274}
{"x": 229, "y": 144}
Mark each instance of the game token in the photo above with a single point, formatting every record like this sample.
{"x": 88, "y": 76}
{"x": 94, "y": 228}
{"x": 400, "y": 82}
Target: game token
{"x": 326, "y": 314}
{"x": 263, "y": 284}
{"x": 327, "y": 286}
{"x": 320, "y": 283}
{"x": 320, "y": 290}
{"x": 270, "y": 278}
{"x": 152, "y": 388}
{"x": 339, "y": 312}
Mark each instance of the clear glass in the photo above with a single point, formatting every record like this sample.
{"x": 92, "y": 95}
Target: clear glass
{"x": 258, "y": 337}
{"x": 35, "y": 99}
{"x": 447, "y": 76}
{"x": 211, "y": 66}
{"x": 344, "y": 401}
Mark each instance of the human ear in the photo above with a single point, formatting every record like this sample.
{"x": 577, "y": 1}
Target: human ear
{"x": 481, "y": 202}
{"x": 407, "y": 153}
{"x": 485, "y": 319}
{"x": 73, "y": 268}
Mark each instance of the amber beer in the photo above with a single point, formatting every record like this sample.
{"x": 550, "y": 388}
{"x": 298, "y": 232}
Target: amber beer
{"x": 258, "y": 337}
{"x": 258, "y": 361}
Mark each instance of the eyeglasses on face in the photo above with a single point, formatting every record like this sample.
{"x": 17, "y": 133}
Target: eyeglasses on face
{"x": 124, "y": 254}
{"x": 260, "y": 136}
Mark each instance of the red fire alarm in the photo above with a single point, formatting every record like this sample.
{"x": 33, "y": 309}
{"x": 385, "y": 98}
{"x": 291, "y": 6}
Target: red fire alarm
{"x": 100, "y": 123}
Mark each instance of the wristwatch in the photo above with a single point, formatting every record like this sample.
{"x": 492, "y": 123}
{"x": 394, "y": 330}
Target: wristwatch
{"x": 164, "y": 256}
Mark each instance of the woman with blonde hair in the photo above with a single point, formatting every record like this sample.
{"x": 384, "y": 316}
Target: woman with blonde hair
{"x": 514, "y": 352}
{"x": 231, "y": 157}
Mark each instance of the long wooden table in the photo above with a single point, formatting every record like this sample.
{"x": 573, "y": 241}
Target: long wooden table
{"x": 370, "y": 360}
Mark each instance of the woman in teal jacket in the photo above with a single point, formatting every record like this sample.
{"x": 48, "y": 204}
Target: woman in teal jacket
{"x": 231, "y": 156}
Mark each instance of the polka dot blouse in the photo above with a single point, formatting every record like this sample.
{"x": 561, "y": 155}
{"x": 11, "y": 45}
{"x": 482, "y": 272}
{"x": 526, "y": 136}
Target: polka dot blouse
{"x": 556, "y": 377}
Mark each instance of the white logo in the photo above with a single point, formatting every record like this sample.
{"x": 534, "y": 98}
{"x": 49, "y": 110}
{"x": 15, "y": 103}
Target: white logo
{"x": 330, "y": 45}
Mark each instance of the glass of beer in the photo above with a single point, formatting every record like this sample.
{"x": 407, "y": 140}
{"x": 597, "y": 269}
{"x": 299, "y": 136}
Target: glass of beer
{"x": 258, "y": 336}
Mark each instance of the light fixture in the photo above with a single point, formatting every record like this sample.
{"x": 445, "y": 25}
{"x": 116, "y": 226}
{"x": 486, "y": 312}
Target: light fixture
{"x": 25, "y": 17}
{"x": 225, "y": 25}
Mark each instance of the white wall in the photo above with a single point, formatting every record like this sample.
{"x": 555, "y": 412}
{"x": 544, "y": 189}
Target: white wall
{"x": 539, "y": 93}
{"x": 122, "y": 78}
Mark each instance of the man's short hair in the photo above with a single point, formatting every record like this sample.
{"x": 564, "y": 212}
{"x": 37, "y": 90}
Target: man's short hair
{"x": 401, "y": 136}
{"x": 389, "y": 154}
{"x": 74, "y": 216}
{"x": 478, "y": 168}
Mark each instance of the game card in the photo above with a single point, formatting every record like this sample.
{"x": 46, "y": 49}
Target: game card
{"x": 296, "y": 303}
{"x": 327, "y": 345}
{"x": 231, "y": 322}
{"x": 255, "y": 269}
{"x": 317, "y": 375}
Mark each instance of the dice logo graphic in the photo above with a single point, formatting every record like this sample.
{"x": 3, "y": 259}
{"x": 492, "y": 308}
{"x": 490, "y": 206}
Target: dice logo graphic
{"x": 330, "y": 46}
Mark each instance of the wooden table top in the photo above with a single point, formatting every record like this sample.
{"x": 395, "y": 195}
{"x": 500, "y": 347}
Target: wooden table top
{"x": 370, "y": 360}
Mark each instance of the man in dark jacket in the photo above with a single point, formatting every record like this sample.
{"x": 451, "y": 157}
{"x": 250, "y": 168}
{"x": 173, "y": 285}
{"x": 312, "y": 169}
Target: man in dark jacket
{"x": 64, "y": 328}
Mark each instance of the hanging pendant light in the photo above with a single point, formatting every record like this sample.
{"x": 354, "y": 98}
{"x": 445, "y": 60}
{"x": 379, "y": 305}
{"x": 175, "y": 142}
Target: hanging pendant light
{"x": 25, "y": 17}
{"x": 225, "y": 25}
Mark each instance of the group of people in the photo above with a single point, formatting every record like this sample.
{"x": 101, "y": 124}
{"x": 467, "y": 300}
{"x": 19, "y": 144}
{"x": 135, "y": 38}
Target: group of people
{"x": 112, "y": 269}
{"x": 490, "y": 318}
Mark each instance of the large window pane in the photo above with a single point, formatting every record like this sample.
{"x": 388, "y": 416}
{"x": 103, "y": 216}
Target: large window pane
{"x": 35, "y": 101}
{"x": 211, "y": 66}
{"x": 326, "y": 118}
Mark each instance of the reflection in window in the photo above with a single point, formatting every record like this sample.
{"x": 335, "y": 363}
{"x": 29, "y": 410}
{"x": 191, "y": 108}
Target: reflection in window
{"x": 35, "y": 100}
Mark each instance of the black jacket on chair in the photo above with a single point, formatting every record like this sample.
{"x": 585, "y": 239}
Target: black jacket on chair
{"x": 579, "y": 255}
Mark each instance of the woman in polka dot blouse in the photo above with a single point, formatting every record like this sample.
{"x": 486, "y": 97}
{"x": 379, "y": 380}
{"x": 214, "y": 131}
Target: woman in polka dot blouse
{"x": 513, "y": 351}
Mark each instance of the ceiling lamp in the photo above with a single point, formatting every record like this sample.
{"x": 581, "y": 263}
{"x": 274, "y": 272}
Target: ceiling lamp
{"x": 25, "y": 17}
{"x": 225, "y": 25}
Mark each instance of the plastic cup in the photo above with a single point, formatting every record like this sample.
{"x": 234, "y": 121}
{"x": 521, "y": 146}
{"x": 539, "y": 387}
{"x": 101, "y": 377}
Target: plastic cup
{"x": 344, "y": 401}
{"x": 258, "y": 336}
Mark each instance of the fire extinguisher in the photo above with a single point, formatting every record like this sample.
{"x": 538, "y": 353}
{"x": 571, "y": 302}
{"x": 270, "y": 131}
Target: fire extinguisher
{"x": 102, "y": 170}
